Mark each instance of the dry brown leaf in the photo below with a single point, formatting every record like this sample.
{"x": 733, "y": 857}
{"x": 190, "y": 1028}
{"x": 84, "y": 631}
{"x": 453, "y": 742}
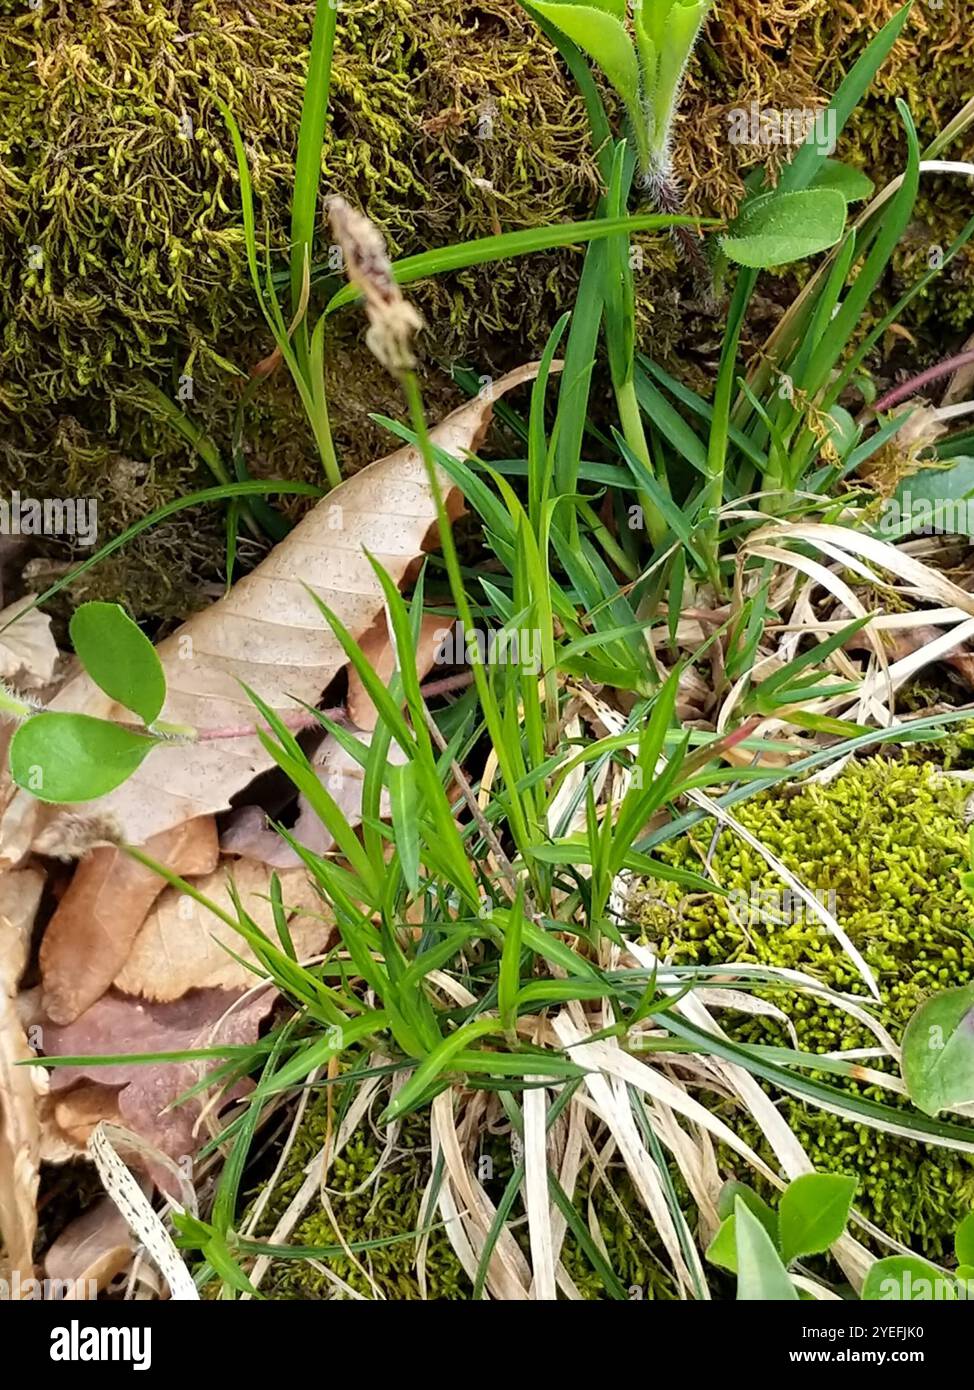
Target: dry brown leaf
{"x": 268, "y": 632}
{"x": 378, "y": 651}
{"x": 181, "y": 945}
{"x": 90, "y": 1251}
{"x": 88, "y": 939}
{"x": 84, "y": 1107}
{"x": 249, "y": 834}
{"x": 20, "y": 1136}
{"x": 144, "y": 1093}
{"x": 28, "y": 652}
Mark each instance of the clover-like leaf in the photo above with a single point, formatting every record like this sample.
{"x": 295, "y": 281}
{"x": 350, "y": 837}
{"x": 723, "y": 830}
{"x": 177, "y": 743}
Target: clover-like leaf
{"x": 73, "y": 757}
{"x": 938, "y": 1051}
{"x": 119, "y": 658}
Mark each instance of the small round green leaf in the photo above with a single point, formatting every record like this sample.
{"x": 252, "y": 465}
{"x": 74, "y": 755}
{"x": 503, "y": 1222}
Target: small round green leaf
{"x": 119, "y": 658}
{"x": 776, "y": 228}
{"x": 813, "y": 1212}
{"x": 904, "y": 1278}
{"x": 938, "y": 1051}
{"x": 72, "y": 757}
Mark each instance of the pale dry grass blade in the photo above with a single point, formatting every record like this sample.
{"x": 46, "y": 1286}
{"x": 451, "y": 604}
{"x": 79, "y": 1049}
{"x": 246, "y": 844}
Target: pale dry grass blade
{"x": 141, "y": 1219}
{"x": 923, "y": 581}
{"x": 508, "y": 1275}
{"x": 536, "y": 1200}
{"x": 614, "y": 1110}
{"x": 612, "y": 1061}
{"x": 850, "y": 1253}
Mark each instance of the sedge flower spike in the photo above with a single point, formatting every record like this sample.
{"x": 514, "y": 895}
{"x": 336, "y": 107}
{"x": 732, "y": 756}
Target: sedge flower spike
{"x": 392, "y": 319}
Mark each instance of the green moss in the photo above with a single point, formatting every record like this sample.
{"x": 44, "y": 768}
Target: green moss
{"x": 122, "y": 259}
{"x": 888, "y": 841}
{"x": 121, "y": 254}
{"x": 390, "y": 1207}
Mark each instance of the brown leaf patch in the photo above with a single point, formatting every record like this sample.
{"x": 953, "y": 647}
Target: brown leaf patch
{"x": 181, "y": 944}
{"x": 269, "y": 633}
{"x": 88, "y": 939}
{"x": 140, "y": 1095}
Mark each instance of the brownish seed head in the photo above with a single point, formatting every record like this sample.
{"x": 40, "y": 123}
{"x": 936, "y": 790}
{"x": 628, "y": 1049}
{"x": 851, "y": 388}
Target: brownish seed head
{"x": 392, "y": 319}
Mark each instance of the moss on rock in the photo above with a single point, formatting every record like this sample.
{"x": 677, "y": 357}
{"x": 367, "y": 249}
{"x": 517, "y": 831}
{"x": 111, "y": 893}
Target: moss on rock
{"x": 886, "y": 843}
{"x": 121, "y": 253}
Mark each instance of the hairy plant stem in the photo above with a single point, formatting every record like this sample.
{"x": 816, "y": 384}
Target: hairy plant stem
{"x": 13, "y": 708}
{"x": 661, "y": 189}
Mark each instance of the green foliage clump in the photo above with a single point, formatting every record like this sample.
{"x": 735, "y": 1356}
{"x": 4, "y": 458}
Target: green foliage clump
{"x": 888, "y": 840}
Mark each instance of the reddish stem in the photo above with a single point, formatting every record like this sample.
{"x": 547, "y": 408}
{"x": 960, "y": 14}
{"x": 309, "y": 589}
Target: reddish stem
{"x": 304, "y": 719}
{"x": 915, "y": 383}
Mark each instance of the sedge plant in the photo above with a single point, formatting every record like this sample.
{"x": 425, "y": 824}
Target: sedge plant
{"x": 501, "y": 873}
